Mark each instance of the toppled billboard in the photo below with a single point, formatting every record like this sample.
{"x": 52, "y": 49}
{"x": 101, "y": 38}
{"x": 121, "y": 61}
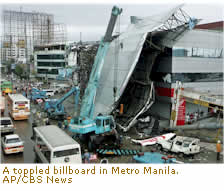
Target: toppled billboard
{"x": 136, "y": 50}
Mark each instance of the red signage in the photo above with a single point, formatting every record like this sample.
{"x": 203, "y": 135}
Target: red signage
{"x": 168, "y": 92}
{"x": 181, "y": 112}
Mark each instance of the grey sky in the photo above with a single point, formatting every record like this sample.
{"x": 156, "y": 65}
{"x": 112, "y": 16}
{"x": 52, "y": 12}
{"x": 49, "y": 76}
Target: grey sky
{"x": 92, "y": 19}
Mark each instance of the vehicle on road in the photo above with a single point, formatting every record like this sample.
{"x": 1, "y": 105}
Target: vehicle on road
{"x": 97, "y": 130}
{"x": 60, "y": 87}
{"x": 49, "y": 92}
{"x": 55, "y": 108}
{"x": 53, "y": 145}
{"x": 180, "y": 145}
{"x": 6, "y": 87}
{"x": 37, "y": 94}
{"x": 18, "y": 106}
{"x": 2, "y": 104}
{"x": 6, "y": 125}
{"x": 12, "y": 144}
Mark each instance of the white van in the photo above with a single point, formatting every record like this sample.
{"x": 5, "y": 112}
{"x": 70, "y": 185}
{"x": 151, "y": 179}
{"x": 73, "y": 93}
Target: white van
{"x": 53, "y": 145}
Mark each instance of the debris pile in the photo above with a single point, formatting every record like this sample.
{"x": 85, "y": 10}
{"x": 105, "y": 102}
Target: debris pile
{"x": 85, "y": 59}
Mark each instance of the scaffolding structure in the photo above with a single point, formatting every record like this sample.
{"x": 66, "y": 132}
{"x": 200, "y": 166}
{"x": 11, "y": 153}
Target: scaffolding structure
{"x": 21, "y": 31}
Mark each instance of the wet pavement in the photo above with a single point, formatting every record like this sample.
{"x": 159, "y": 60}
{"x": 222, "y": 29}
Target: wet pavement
{"x": 24, "y": 130}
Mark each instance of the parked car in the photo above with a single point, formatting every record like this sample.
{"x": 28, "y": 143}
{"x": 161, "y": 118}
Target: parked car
{"x": 49, "y": 92}
{"x": 6, "y": 125}
{"x": 180, "y": 145}
{"x": 12, "y": 144}
{"x": 60, "y": 87}
{"x": 57, "y": 89}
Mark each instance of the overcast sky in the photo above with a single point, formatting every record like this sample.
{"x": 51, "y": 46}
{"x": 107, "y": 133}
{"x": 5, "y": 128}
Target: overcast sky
{"x": 92, "y": 19}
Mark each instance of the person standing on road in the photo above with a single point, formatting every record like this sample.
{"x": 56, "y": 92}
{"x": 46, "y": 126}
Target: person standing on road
{"x": 60, "y": 124}
{"x": 47, "y": 121}
{"x": 86, "y": 156}
{"x": 34, "y": 124}
{"x": 218, "y": 149}
{"x": 65, "y": 124}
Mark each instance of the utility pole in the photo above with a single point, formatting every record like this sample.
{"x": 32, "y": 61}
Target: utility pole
{"x": 26, "y": 51}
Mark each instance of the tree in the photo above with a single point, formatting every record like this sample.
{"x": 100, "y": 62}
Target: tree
{"x": 19, "y": 70}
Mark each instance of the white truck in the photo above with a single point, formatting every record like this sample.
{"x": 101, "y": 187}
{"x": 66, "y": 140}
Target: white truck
{"x": 181, "y": 145}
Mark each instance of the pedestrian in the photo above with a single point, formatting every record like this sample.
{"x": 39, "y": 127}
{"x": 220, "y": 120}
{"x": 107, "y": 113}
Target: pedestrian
{"x": 60, "y": 124}
{"x": 65, "y": 124}
{"x": 191, "y": 117}
{"x": 69, "y": 119}
{"x": 196, "y": 116}
{"x": 86, "y": 156}
{"x": 218, "y": 149}
{"x": 34, "y": 124}
{"x": 47, "y": 122}
{"x": 187, "y": 118}
{"x": 38, "y": 115}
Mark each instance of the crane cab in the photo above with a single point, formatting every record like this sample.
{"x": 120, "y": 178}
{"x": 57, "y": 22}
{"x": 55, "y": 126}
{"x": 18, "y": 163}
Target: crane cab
{"x": 83, "y": 125}
{"x": 104, "y": 124}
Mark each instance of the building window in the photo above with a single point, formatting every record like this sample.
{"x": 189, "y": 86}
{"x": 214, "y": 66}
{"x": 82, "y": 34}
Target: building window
{"x": 51, "y": 64}
{"x": 197, "y": 52}
{"x": 46, "y": 71}
{"x": 187, "y": 77}
{"x": 51, "y": 57}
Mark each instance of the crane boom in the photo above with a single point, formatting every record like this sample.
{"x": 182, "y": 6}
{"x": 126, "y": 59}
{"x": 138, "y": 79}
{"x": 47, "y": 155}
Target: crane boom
{"x": 56, "y": 109}
{"x": 85, "y": 124}
{"x": 87, "y": 107}
{"x": 69, "y": 93}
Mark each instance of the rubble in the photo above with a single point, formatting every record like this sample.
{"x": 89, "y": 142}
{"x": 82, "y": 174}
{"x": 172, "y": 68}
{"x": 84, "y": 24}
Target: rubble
{"x": 85, "y": 59}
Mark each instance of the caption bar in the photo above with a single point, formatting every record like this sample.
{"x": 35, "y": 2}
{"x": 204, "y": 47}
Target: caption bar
{"x": 65, "y": 174}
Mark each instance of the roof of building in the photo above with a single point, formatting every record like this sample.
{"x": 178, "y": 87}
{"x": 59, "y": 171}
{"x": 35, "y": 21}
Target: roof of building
{"x": 212, "y": 26}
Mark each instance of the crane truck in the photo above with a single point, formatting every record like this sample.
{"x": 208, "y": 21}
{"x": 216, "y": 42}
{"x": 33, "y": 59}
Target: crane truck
{"x": 37, "y": 94}
{"x": 55, "y": 108}
{"x": 101, "y": 128}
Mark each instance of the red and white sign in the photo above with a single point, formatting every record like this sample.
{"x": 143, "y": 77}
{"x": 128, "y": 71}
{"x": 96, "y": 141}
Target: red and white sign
{"x": 154, "y": 140}
{"x": 181, "y": 113}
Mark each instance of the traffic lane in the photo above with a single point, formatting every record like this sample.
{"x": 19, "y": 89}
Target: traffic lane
{"x": 24, "y": 130}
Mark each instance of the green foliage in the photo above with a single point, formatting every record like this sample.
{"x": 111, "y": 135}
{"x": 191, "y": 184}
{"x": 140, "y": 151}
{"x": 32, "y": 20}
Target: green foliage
{"x": 19, "y": 70}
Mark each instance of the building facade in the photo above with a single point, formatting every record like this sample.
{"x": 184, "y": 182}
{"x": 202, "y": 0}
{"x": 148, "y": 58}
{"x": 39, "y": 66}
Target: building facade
{"x": 21, "y": 31}
{"x": 196, "y": 60}
{"x": 49, "y": 59}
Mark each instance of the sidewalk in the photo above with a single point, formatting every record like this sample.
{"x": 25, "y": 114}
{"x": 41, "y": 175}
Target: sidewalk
{"x": 210, "y": 146}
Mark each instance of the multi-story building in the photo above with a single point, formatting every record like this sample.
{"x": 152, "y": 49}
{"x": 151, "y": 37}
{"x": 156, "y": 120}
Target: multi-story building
{"x": 21, "y": 31}
{"x": 49, "y": 59}
{"x": 196, "y": 60}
